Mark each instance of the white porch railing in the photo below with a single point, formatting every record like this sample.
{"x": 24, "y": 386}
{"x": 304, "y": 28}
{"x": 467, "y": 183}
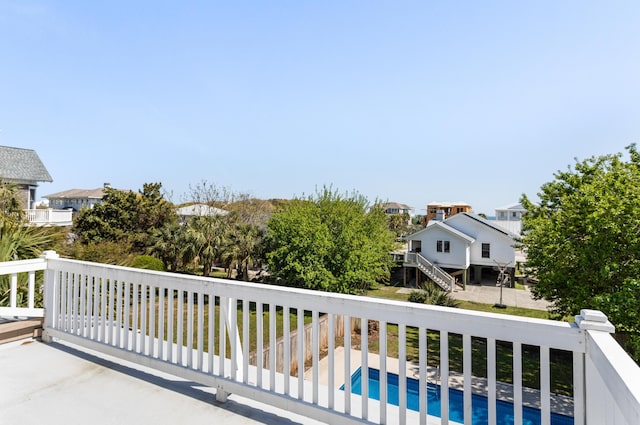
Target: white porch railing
{"x": 202, "y": 329}
{"x": 49, "y": 216}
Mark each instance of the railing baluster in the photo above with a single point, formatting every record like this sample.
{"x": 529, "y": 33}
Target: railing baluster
{"x": 315, "y": 353}
{"x": 152, "y": 320}
{"x": 212, "y": 332}
{"x": 286, "y": 364}
{"x": 89, "y": 320}
{"x": 135, "y": 331}
{"x": 232, "y": 314}
{"x": 118, "y": 313}
{"x": 259, "y": 344}
{"x": 517, "y": 383}
{"x": 422, "y": 372}
{"x": 402, "y": 373}
{"x": 96, "y": 308}
{"x": 545, "y": 386}
{"x": 143, "y": 318}
{"x": 331, "y": 360}
{"x": 444, "y": 376}
{"x": 382, "y": 332}
{"x": 200, "y": 338}
{"x": 245, "y": 341}
{"x": 466, "y": 367}
{"x": 69, "y": 312}
{"x": 491, "y": 378}
{"x": 180, "y": 327}
{"x": 364, "y": 369}
{"x": 190, "y": 329}
{"x": 161, "y": 323}
{"x": 272, "y": 347}
{"x": 300, "y": 332}
{"x": 75, "y": 328}
{"x": 222, "y": 339}
{"x": 170, "y": 324}
{"x": 347, "y": 364}
{"x": 82, "y": 314}
{"x": 103, "y": 310}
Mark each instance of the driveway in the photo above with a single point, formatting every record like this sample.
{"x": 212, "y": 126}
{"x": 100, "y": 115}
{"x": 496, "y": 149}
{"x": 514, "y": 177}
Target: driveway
{"x": 489, "y": 293}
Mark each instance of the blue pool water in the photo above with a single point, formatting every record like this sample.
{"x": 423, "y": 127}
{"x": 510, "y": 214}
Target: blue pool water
{"x": 479, "y": 409}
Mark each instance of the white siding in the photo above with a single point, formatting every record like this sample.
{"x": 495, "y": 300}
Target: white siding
{"x": 458, "y": 255}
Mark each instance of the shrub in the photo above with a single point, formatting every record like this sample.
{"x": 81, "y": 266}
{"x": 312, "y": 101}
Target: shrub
{"x": 147, "y": 262}
{"x": 418, "y": 297}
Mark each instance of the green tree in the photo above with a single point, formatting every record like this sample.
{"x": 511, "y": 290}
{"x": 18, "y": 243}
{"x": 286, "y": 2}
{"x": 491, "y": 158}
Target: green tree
{"x": 398, "y": 223}
{"x": 330, "y": 242}
{"x": 583, "y": 241}
{"x": 126, "y": 216}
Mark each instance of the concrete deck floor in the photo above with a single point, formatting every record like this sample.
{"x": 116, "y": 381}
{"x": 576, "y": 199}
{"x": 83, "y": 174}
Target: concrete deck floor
{"x": 59, "y": 384}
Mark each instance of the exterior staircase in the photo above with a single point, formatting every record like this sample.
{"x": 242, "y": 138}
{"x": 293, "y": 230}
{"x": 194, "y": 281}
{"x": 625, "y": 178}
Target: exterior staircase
{"x": 441, "y": 278}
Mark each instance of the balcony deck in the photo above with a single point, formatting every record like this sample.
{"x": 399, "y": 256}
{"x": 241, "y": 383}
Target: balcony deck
{"x": 51, "y": 380}
{"x": 153, "y": 347}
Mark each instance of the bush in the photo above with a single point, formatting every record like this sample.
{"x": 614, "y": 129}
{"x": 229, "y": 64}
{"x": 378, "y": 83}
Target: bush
{"x": 147, "y": 262}
{"x": 418, "y": 297}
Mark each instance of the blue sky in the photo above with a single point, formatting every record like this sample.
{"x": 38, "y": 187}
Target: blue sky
{"x": 404, "y": 101}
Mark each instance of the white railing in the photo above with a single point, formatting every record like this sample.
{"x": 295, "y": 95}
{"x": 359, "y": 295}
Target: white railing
{"x": 14, "y": 274}
{"x": 205, "y": 329}
{"x": 49, "y": 216}
{"x": 446, "y": 281}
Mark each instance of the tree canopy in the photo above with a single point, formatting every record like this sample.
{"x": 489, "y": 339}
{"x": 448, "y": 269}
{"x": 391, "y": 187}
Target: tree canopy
{"x": 583, "y": 241}
{"x": 330, "y": 242}
{"x": 126, "y": 216}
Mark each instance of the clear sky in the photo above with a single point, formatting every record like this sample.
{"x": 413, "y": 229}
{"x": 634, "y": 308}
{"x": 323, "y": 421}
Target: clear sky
{"x": 410, "y": 102}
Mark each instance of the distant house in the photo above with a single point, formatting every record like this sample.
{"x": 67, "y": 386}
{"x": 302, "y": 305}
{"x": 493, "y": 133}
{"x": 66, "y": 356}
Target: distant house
{"x": 396, "y": 208}
{"x": 186, "y": 212}
{"x": 23, "y": 168}
{"x": 464, "y": 244}
{"x": 509, "y": 217}
{"x": 442, "y": 210}
{"x": 76, "y": 199}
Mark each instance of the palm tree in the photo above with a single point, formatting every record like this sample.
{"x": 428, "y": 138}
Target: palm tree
{"x": 203, "y": 240}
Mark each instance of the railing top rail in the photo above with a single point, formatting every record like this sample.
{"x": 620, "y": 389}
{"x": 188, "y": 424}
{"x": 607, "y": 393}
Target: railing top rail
{"x": 549, "y": 333}
{"x": 21, "y": 266}
{"x": 621, "y": 374}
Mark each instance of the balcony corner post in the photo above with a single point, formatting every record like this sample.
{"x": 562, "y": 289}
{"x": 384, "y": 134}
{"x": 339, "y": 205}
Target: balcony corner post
{"x": 49, "y": 297}
{"x": 594, "y": 320}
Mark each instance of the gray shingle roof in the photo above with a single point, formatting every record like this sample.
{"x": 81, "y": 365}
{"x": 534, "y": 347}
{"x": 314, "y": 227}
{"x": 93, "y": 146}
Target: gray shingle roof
{"x": 17, "y": 164}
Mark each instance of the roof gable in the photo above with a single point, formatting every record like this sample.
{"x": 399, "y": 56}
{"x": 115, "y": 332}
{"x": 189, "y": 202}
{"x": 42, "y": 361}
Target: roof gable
{"x": 443, "y": 226}
{"x": 482, "y": 222}
{"x": 22, "y": 165}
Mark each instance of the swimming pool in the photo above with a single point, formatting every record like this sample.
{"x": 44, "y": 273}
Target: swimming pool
{"x": 504, "y": 410}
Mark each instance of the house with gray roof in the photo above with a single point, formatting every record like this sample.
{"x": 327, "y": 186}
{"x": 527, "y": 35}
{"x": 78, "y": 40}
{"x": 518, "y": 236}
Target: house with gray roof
{"x": 76, "y": 199}
{"x": 23, "y": 168}
{"x": 464, "y": 245}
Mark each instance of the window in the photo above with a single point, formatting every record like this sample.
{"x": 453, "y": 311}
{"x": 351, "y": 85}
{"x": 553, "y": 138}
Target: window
{"x": 443, "y": 246}
{"x": 486, "y": 250}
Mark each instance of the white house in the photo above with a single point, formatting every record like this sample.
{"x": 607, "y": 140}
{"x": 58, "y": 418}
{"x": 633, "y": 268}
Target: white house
{"x": 464, "y": 244}
{"x": 509, "y": 217}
